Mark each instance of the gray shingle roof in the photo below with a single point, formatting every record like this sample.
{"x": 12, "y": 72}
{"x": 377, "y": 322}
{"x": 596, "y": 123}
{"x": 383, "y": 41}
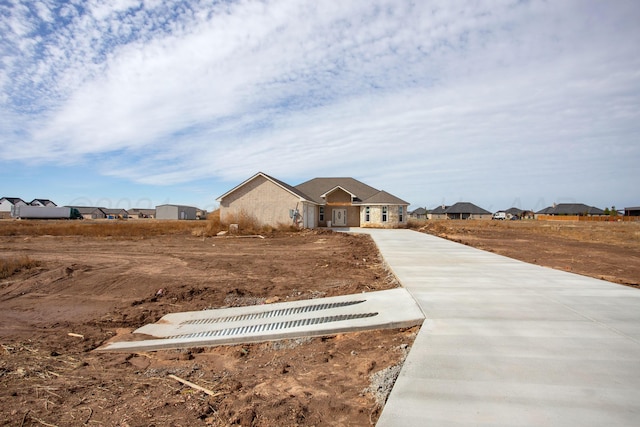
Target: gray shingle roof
{"x": 466, "y": 208}
{"x": 14, "y": 200}
{"x": 439, "y": 210}
{"x": 364, "y": 194}
{"x": 571, "y": 209}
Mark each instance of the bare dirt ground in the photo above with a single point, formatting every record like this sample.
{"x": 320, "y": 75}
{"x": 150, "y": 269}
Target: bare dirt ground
{"x": 97, "y": 287}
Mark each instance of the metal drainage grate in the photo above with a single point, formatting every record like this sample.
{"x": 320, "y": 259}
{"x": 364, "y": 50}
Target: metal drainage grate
{"x": 271, "y": 313}
{"x": 265, "y": 327}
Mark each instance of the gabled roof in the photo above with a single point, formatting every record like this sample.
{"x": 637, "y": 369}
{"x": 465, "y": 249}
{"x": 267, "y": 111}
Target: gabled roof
{"x": 86, "y": 210}
{"x": 324, "y": 196}
{"x": 14, "y": 200}
{"x": 514, "y": 211}
{"x": 466, "y": 208}
{"x": 113, "y": 210}
{"x": 419, "y": 211}
{"x": 283, "y": 185}
{"x": 571, "y": 209}
{"x": 361, "y": 193}
{"x": 43, "y": 202}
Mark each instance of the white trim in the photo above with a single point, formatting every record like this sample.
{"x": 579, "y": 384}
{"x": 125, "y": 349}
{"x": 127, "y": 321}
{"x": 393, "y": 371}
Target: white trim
{"x": 324, "y": 196}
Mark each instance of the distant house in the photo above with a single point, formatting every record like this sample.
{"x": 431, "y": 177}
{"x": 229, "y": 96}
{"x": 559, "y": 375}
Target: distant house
{"x": 177, "y": 212}
{"x": 466, "y": 210}
{"x": 115, "y": 213}
{"x": 519, "y": 213}
{"x": 90, "y": 212}
{"x": 438, "y": 212}
{"x": 578, "y": 209}
{"x": 632, "y": 211}
{"x": 141, "y": 213}
{"x": 319, "y": 202}
{"x": 420, "y": 213}
{"x": 6, "y": 203}
{"x": 42, "y": 202}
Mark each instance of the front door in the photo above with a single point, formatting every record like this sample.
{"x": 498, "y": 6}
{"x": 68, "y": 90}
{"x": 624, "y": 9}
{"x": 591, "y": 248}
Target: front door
{"x": 339, "y": 217}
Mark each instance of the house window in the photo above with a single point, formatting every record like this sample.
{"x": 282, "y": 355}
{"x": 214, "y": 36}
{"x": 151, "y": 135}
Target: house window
{"x": 384, "y": 214}
{"x": 367, "y": 214}
{"x": 400, "y": 213}
{"x": 321, "y": 214}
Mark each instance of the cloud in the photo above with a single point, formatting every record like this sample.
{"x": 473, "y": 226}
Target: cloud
{"x": 451, "y": 91}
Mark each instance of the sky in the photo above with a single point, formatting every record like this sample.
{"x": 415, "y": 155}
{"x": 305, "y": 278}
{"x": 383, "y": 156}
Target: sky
{"x": 135, "y": 103}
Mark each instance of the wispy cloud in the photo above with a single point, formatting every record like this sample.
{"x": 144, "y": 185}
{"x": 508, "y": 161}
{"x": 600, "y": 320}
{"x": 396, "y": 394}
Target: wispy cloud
{"x": 390, "y": 91}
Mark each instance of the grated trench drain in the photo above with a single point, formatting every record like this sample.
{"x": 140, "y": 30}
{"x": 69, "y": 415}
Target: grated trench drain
{"x": 271, "y": 313}
{"x": 273, "y": 326}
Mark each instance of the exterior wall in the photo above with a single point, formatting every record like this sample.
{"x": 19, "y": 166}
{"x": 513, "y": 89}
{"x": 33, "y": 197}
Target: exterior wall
{"x": 375, "y": 216}
{"x": 469, "y": 216}
{"x": 340, "y": 199}
{"x": 353, "y": 215}
{"x": 167, "y": 212}
{"x": 267, "y": 202}
{"x": 176, "y": 212}
{"x": 5, "y": 205}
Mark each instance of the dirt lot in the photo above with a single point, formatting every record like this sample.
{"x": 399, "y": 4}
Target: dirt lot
{"x": 97, "y": 286}
{"x": 604, "y": 250}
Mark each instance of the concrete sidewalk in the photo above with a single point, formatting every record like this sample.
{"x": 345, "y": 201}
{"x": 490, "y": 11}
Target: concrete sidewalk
{"x": 510, "y": 343}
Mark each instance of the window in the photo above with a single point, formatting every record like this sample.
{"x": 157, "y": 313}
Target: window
{"x": 367, "y": 214}
{"x": 400, "y": 213}
{"x": 321, "y": 214}
{"x": 384, "y": 214}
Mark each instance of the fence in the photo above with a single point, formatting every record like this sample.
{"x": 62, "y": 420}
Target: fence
{"x": 618, "y": 218}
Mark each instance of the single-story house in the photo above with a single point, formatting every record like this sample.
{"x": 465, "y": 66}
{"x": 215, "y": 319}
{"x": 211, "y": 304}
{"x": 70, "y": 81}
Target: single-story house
{"x": 115, "y": 213}
{"x": 579, "y": 209}
{"x": 319, "y": 202}
{"x": 438, "y": 212}
{"x": 141, "y": 213}
{"x": 177, "y": 212}
{"x": 90, "y": 212}
{"x": 420, "y": 213}
{"x": 42, "y": 202}
{"x": 7, "y": 203}
{"x": 634, "y": 211}
{"x": 466, "y": 210}
{"x": 519, "y": 213}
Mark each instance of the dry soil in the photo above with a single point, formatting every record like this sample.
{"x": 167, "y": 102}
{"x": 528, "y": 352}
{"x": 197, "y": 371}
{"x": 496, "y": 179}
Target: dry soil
{"x": 87, "y": 290}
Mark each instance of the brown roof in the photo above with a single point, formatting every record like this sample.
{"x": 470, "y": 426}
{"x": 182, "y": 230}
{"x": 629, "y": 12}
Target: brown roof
{"x": 364, "y": 194}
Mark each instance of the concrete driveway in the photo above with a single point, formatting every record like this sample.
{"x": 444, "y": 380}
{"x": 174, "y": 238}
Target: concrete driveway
{"x": 507, "y": 343}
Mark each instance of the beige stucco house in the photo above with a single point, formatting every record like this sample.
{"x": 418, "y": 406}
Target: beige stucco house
{"x": 320, "y": 202}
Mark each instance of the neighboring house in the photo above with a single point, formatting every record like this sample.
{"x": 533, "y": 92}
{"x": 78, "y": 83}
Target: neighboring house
{"x": 520, "y": 213}
{"x": 319, "y": 202}
{"x": 420, "y": 213}
{"x": 42, "y": 202}
{"x": 438, "y": 212}
{"x": 578, "y": 209}
{"x": 90, "y": 212}
{"x": 7, "y": 203}
{"x": 142, "y": 213}
{"x": 466, "y": 210}
{"x": 632, "y": 211}
{"x": 177, "y": 212}
{"x": 116, "y": 213}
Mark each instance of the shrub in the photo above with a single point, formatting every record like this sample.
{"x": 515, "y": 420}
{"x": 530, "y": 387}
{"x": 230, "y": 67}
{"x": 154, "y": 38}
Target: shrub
{"x": 9, "y": 267}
